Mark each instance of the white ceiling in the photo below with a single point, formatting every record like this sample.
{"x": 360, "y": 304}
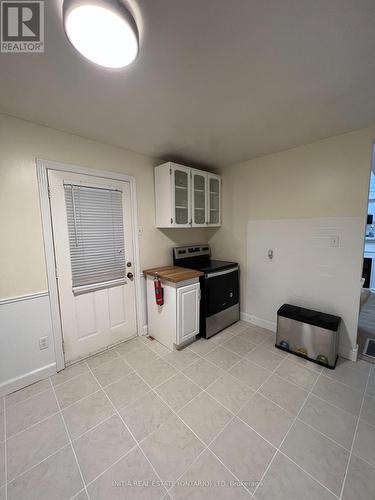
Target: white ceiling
{"x": 216, "y": 82}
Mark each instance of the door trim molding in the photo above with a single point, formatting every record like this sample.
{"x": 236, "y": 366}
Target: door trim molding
{"x": 42, "y": 168}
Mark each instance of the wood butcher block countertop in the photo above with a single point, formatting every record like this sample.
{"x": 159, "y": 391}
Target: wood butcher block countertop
{"x": 174, "y": 274}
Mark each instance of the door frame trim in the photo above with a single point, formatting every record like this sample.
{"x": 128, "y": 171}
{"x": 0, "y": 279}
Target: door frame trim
{"x": 42, "y": 168}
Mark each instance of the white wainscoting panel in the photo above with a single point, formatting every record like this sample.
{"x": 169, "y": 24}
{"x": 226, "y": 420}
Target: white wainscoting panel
{"x": 317, "y": 263}
{"x": 23, "y": 321}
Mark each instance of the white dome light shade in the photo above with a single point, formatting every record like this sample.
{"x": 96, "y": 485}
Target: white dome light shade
{"x": 102, "y": 31}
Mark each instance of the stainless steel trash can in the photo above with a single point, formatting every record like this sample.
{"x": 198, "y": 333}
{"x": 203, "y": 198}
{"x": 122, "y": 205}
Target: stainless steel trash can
{"x": 310, "y": 334}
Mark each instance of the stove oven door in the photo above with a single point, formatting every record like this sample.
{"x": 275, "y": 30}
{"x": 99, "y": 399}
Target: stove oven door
{"x": 221, "y": 290}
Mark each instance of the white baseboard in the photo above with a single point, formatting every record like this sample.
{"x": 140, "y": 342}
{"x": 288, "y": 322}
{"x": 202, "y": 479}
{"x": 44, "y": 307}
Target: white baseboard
{"x": 254, "y": 320}
{"x": 145, "y": 330}
{"x": 28, "y": 378}
{"x": 344, "y": 351}
{"x": 348, "y": 352}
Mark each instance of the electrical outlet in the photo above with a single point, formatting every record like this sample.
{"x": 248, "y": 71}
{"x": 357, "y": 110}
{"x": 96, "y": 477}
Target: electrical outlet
{"x": 335, "y": 241}
{"x": 43, "y": 343}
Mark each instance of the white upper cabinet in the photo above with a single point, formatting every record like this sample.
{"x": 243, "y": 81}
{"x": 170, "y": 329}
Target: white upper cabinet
{"x": 186, "y": 197}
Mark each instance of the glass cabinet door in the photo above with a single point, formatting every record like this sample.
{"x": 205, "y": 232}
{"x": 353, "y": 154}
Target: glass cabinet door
{"x": 181, "y": 197}
{"x": 214, "y": 200}
{"x": 199, "y": 199}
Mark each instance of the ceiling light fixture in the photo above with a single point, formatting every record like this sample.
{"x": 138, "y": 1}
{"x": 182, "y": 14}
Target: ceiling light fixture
{"x": 103, "y": 31}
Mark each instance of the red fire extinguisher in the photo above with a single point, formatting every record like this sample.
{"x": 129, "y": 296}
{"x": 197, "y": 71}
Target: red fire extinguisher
{"x": 159, "y": 292}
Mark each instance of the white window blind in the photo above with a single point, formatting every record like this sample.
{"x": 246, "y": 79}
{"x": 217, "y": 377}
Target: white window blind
{"x": 96, "y": 237}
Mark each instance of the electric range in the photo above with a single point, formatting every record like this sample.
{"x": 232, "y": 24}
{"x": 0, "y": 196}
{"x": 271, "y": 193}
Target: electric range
{"x": 219, "y": 305}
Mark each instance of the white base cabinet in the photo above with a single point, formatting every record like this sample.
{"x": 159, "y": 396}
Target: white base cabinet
{"x": 176, "y": 322}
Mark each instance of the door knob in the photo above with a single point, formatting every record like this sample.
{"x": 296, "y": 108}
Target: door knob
{"x": 130, "y": 276}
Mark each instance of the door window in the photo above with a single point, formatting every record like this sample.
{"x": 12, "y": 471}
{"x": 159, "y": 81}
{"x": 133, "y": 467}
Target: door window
{"x": 96, "y": 236}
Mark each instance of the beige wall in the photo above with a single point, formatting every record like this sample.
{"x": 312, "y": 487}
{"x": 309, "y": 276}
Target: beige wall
{"x": 325, "y": 179}
{"x": 22, "y": 265}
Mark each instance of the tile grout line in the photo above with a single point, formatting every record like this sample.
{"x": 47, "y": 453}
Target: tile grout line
{"x": 191, "y": 430}
{"x": 198, "y": 357}
{"x": 354, "y": 437}
{"x": 282, "y": 442}
{"x": 207, "y": 447}
{"x": 70, "y": 440}
{"x": 130, "y": 432}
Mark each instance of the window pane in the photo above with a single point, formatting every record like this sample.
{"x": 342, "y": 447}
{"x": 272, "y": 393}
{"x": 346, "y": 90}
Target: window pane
{"x": 96, "y": 234}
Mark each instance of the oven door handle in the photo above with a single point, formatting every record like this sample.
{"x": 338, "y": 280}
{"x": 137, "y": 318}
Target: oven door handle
{"x": 220, "y": 273}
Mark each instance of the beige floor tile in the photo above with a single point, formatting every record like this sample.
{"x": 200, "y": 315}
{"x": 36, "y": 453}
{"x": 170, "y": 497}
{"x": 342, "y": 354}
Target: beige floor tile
{"x": 368, "y": 410}
{"x": 72, "y": 391}
{"x": 172, "y": 448}
{"x": 181, "y": 359}
{"x": 101, "y": 447}
{"x": 205, "y": 417}
{"x": 264, "y": 358}
{"x": 46, "y": 481}
{"x": 238, "y": 327}
{"x": 285, "y": 481}
{"x": 360, "y": 481}
{"x": 352, "y": 377}
{"x": 203, "y": 373}
{"x": 126, "y": 390}
{"x": 2, "y": 493}
{"x": 129, "y": 346}
{"x": 288, "y": 396}
{"x": 239, "y": 346}
{"x": 104, "y": 357}
{"x": 255, "y": 335}
{"x": 131, "y": 478}
{"x": 139, "y": 358}
{"x": 156, "y": 372}
{"x": 223, "y": 358}
{"x": 297, "y": 374}
{"x": 317, "y": 455}
{"x": 250, "y": 373}
{"x": 271, "y": 421}
{"x": 33, "y": 445}
{"x": 219, "y": 483}
{"x": 27, "y": 392}
{"x": 30, "y": 412}
{"x": 145, "y": 415}
{"x": 232, "y": 447}
{"x": 364, "y": 443}
{"x": 339, "y": 394}
{"x": 222, "y": 336}
{"x": 87, "y": 413}
{"x": 202, "y": 346}
{"x": 305, "y": 363}
{"x": 69, "y": 373}
{"x": 178, "y": 391}
{"x": 230, "y": 392}
{"x": 370, "y": 390}
{"x": 82, "y": 495}
{"x": 334, "y": 422}
{"x": 158, "y": 348}
{"x": 113, "y": 370}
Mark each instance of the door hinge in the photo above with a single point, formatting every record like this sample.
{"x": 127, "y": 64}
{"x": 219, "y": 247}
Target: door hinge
{"x": 49, "y": 192}
{"x": 170, "y": 171}
{"x": 171, "y": 220}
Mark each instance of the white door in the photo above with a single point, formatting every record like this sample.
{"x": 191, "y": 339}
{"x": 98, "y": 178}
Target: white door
{"x": 181, "y": 195}
{"x": 199, "y": 198}
{"x": 93, "y": 242}
{"x": 187, "y": 312}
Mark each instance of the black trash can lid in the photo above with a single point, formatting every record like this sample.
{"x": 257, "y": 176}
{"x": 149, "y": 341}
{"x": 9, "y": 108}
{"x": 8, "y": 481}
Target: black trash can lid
{"x": 309, "y": 316}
